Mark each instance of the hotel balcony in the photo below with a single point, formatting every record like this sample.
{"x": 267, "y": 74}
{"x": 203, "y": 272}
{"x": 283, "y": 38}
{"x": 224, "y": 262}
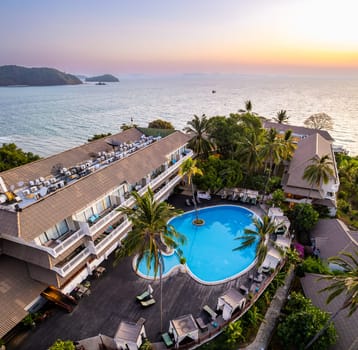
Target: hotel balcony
{"x": 75, "y": 259}
{"x": 167, "y": 174}
{"x": 110, "y": 236}
{"x": 57, "y": 247}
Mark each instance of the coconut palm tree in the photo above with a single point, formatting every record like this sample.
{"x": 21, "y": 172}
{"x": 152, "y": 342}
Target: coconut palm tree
{"x": 199, "y": 128}
{"x": 281, "y": 117}
{"x": 259, "y": 236}
{"x": 289, "y": 145}
{"x": 189, "y": 168}
{"x": 319, "y": 171}
{"x": 347, "y": 283}
{"x": 150, "y": 234}
{"x": 271, "y": 151}
{"x": 249, "y": 152}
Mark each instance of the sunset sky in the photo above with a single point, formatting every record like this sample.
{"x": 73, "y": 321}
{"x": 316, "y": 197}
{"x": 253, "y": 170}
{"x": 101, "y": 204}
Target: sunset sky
{"x": 182, "y": 36}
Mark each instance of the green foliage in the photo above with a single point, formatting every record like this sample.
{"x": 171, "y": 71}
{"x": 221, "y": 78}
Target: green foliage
{"x": 233, "y": 333}
{"x": 62, "y": 345}
{"x": 303, "y": 218}
{"x": 160, "y": 124}
{"x": 125, "y": 126}
{"x": 302, "y": 322}
{"x": 11, "y": 156}
{"x": 314, "y": 265}
{"x": 146, "y": 345}
{"x": 322, "y": 210}
{"x": 29, "y": 320}
{"x": 98, "y": 136}
{"x": 278, "y": 197}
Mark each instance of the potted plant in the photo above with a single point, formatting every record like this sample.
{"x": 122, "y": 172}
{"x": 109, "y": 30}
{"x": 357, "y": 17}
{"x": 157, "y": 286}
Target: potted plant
{"x": 2, "y": 345}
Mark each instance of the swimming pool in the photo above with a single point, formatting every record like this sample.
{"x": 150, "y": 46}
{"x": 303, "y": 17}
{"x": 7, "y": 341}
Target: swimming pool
{"x": 209, "y": 251}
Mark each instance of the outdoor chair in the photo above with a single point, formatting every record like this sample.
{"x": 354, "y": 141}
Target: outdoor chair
{"x": 187, "y": 202}
{"x": 167, "y": 340}
{"x": 143, "y": 296}
{"x": 210, "y": 311}
{"x": 148, "y": 302}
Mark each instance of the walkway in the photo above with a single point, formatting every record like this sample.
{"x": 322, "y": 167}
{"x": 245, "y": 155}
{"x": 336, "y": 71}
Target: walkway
{"x": 268, "y": 326}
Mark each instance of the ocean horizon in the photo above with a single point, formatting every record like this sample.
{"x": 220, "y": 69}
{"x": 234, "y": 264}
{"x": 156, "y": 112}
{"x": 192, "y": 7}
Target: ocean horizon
{"x": 47, "y": 120}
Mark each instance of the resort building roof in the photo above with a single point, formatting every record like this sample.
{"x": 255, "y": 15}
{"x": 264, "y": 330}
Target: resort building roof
{"x": 39, "y": 216}
{"x": 17, "y": 291}
{"x": 298, "y": 131}
{"x": 312, "y": 146}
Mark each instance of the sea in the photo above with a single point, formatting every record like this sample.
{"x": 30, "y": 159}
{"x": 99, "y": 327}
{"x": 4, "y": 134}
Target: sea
{"x": 51, "y": 119}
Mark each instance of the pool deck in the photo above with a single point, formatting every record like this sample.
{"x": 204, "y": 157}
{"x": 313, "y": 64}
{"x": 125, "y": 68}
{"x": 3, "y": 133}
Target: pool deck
{"x": 113, "y": 298}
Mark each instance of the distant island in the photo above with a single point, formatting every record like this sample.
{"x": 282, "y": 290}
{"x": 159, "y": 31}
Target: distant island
{"x": 21, "y": 76}
{"x": 105, "y": 78}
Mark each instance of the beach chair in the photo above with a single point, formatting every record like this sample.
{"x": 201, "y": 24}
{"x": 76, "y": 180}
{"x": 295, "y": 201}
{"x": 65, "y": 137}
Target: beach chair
{"x": 167, "y": 340}
{"x": 143, "y": 296}
{"x": 210, "y": 311}
{"x": 187, "y": 202}
{"x": 148, "y": 302}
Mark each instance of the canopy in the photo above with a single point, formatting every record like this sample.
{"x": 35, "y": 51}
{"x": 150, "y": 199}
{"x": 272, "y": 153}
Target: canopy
{"x": 229, "y": 302}
{"x": 182, "y": 327}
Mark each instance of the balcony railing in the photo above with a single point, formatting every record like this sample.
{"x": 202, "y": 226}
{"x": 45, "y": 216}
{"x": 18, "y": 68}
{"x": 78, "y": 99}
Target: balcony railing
{"x": 114, "y": 235}
{"x": 101, "y": 223}
{"x": 68, "y": 242}
{"x": 73, "y": 263}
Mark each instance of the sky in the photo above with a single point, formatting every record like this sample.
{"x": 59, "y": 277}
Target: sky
{"x": 182, "y": 36}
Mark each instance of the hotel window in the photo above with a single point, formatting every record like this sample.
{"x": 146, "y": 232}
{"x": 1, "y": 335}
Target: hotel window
{"x": 54, "y": 232}
{"x": 103, "y": 204}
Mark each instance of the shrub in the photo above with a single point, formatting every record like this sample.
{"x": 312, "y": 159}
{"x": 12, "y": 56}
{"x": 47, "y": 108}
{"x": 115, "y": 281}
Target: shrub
{"x": 62, "y": 345}
{"x": 314, "y": 265}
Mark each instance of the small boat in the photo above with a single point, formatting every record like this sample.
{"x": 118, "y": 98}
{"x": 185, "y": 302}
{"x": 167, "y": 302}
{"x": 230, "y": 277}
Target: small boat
{"x": 213, "y": 91}
{"x": 100, "y": 83}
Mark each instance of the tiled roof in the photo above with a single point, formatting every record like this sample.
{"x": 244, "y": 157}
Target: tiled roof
{"x": 44, "y": 213}
{"x": 67, "y": 158}
{"x": 17, "y": 290}
{"x": 308, "y": 148}
{"x": 297, "y": 130}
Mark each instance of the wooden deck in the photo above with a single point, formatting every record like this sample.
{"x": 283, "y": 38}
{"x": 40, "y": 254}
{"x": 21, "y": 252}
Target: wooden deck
{"x": 113, "y": 298}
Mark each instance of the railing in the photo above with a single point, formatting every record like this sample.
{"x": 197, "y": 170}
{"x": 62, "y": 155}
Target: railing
{"x": 166, "y": 188}
{"x": 113, "y": 235}
{"x": 68, "y": 242}
{"x": 74, "y": 262}
{"x": 130, "y": 201}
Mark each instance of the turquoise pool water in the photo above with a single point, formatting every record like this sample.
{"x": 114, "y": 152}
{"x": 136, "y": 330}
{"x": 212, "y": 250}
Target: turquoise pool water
{"x": 209, "y": 248}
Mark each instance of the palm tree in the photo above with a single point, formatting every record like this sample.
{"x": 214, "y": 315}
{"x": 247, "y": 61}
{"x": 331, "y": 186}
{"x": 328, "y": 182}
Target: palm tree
{"x": 289, "y": 145}
{"x": 189, "y": 168}
{"x": 319, "y": 171}
{"x": 281, "y": 117}
{"x": 271, "y": 151}
{"x": 347, "y": 283}
{"x": 150, "y": 234}
{"x": 199, "y": 128}
{"x": 249, "y": 152}
{"x": 259, "y": 236}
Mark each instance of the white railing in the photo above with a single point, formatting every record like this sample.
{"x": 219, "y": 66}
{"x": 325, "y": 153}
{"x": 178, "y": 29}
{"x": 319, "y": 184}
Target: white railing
{"x": 130, "y": 201}
{"x": 115, "y": 234}
{"x": 74, "y": 262}
{"x": 158, "y": 195}
{"x": 68, "y": 242}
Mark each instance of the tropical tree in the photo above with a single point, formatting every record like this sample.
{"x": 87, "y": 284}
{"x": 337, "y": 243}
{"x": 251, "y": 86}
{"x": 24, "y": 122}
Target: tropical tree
{"x": 253, "y": 316}
{"x": 319, "y": 121}
{"x": 258, "y": 235}
{"x": 234, "y": 332}
{"x": 160, "y": 124}
{"x": 249, "y": 152}
{"x": 11, "y": 156}
{"x": 281, "y": 117}
{"x": 319, "y": 171}
{"x": 199, "y": 129}
{"x": 189, "y": 169}
{"x": 150, "y": 234}
{"x": 62, "y": 345}
{"x": 345, "y": 283}
{"x": 302, "y": 321}
{"x": 289, "y": 145}
{"x": 271, "y": 151}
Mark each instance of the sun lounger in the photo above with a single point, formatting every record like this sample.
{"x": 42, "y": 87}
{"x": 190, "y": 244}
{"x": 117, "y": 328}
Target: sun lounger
{"x": 148, "y": 302}
{"x": 243, "y": 289}
{"x": 143, "y": 296}
{"x": 187, "y": 202}
{"x": 167, "y": 340}
{"x": 210, "y": 311}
